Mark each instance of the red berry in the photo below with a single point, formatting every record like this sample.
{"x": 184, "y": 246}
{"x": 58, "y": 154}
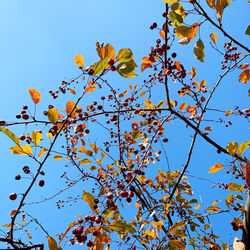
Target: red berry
{"x": 98, "y": 219}
{"x": 13, "y": 196}
{"x": 92, "y": 217}
{"x": 131, "y": 194}
{"x": 240, "y": 226}
{"x": 110, "y": 196}
{"x": 79, "y": 230}
{"x": 41, "y": 183}
{"x": 111, "y": 62}
{"x": 90, "y": 243}
{"x": 18, "y": 177}
{"x": 95, "y": 233}
{"x": 84, "y": 238}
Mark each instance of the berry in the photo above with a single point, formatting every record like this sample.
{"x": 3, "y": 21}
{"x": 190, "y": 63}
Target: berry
{"x": 174, "y": 55}
{"x": 18, "y": 177}
{"x": 110, "y": 196}
{"x": 98, "y": 219}
{"x": 240, "y": 226}
{"x": 111, "y": 62}
{"x": 26, "y": 169}
{"x": 90, "y": 243}
{"x": 41, "y": 183}
{"x": 13, "y": 196}
{"x": 95, "y": 233}
{"x": 84, "y": 238}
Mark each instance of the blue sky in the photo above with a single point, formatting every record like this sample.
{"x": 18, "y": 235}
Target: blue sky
{"x": 39, "y": 40}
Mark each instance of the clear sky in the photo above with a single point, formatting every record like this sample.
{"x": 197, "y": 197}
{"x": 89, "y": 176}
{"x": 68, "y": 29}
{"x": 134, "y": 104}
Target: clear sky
{"x": 39, "y": 40}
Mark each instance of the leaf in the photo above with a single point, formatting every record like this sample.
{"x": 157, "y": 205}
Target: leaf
{"x": 101, "y": 65}
{"x": 199, "y": 50}
{"x": 36, "y": 137}
{"x": 243, "y": 146}
{"x": 183, "y": 106}
{"x": 85, "y": 161}
{"x": 228, "y": 113}
{"x": 53, "y": 115}
{"x": 244, "y": 66}
{"x": 179, "y": 244}
{"x": 108, "y": 50}
{"x": 79, "y": 60}
{"x": 35, "y": 95}
{"x": 85, "y": 151}
{"x": 213, "y": 209}
{"x": 21, "y": 150}
{"x": 208, "y": 128}
{"x": 238, "y": 244}
{"x": 235, "y": 187}
{"x": 175, "y": 18}
{"x": 213, "y": 37}
{"x": 211, "y": 3}
{"x": 232, "y": 148}
{"x": 57, "y": 157}
{"x": 107, "y": 213}
{"x": 126, "y": 68}
{"x": 185, "y": 32}
{"x": 215, "y": 168}
{"x": 42, "y": 151}
{"x": 248, "y": 30}
{"x": 72, "y": 91}
{"x": 177, "y": 225}
{"x": 11, "y": 135}
{"x": 124, "y": 55}
{"x": 91, "y": 87}
{"x": 89, "y": 199}
{"x": 52, "y": 244}
{"x": 170, "y": 1}
{"x": 69, "y": 107}
{"x": 220, "y": 6}
{"x": 244, "y": 76}
{"x": 122, "y": 226}
{"x": 94, "y": 147}
{"x": 72, "y": 224}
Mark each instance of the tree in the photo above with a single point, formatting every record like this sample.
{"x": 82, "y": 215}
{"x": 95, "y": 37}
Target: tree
{"x": 138, "y": 195}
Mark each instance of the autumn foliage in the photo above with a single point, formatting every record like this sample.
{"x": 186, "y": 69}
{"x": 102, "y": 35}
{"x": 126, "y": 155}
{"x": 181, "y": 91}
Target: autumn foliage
{"x": 135, "y": 198}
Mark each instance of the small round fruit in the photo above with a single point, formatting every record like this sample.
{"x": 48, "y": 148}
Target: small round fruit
{"x": 13, "y": 196}
{"x": 95, "y": 233}
{"x": 90, "y": 243}
{"x": 84, "y": 237}
{"x": 98, "y": 219}
{"x": 18, "y": 177}
{"x": 240, "y": 226}
{"x": 110, "y": 196}
{"x": 41, "y": 183}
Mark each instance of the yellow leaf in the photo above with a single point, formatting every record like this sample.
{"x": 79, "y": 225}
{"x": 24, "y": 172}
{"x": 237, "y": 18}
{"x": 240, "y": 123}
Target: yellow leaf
{"x": 10, "y": 134}
{"x": 158, "y": 225}
{"x": 124, "y": 55}
{"x": 72, "y": 91}
{"x": 85, "y": 151}
{"x": 91, "y": 87}
{"x": 213, "y": 209}
{"x": 85, "y": 161}
{"x": 69, "y": 107}
{"x": 215, "y": 168}
{"x": 232, "y": 148}
{"x": 197, "y": 207}
{"x": 179, "y": 244}
{"x": 142, "y": 93}
{"x": 57, "y": 157}
{"x": 216, "y": 202}
{"x": 244, "y": 66}
{"x": 94, "y": 147}
{"x": 36, "y": 137}
{"x": 185, "y": 32}
{"x": 35, "y": 95}
{"x": 49, "y": 135}
{"x": 103, "y": 155}
{"x": 93, "y": 168}
{"x": 213, "y": 36}
{"x": 244, "y": 76}
{"x": 99, "y": 161}
{"x": 109, "y": 51}
{"x": 89, "y": 199}
{"x": 122, "y": 226}
{"x": 220, "y": 6}
{"x": 72, "y": 224}
{"x": 52, "y": 244}
{"x": 183, "y": 106}
{"x": 79, "y": 60}
{"x": 235, "y": 187}
{"x": 53, "y": 115}
{"x": 243, "y": 146}
{"x": 21, "y": 150}
{"x": 42, "y": 151}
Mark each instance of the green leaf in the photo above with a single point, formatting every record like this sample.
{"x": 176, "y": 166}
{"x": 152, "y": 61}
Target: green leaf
{"x": 126, "y": 67}
{"x": 101, "y": 65}
{"x": 36, "y": 137}
{"x": 136, "y": 134}
{"x": 176, "y": 19}
{"x": 57, "y": 157}
{"x": 243, "y": 146}
{"x": 11, "y": 135}
{"x": 89, "y": 199}
{"x": 129, "y": 75}
{"x": 53, "y": 115}
{"x": 235, "y": 187}
{"x": 199, "y": 50}
{"x": 124, "y": 55}
{"x": 248, "y": 30}
{"x": 122, "y": 226}
{"x": 107, "y": 213}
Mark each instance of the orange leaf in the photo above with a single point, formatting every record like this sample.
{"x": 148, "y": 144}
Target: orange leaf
{"x": 213, "y": 36}
{"x": 162, "y": 34}
{"x": 229, "y": 112}
{"x": 35, "y": 95}
{"x": 178, "y": 65}
{"x": 183, "y": 106}
{"x": 208, "y": 129}
{"x": 244, "y": 66}
{"x": 91, "y": 87}
{"x": 194, "y": 29}
{"x": 215, "y": 168}
{"x": 69, "y": 106}
{"x": 244, "y": 76}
